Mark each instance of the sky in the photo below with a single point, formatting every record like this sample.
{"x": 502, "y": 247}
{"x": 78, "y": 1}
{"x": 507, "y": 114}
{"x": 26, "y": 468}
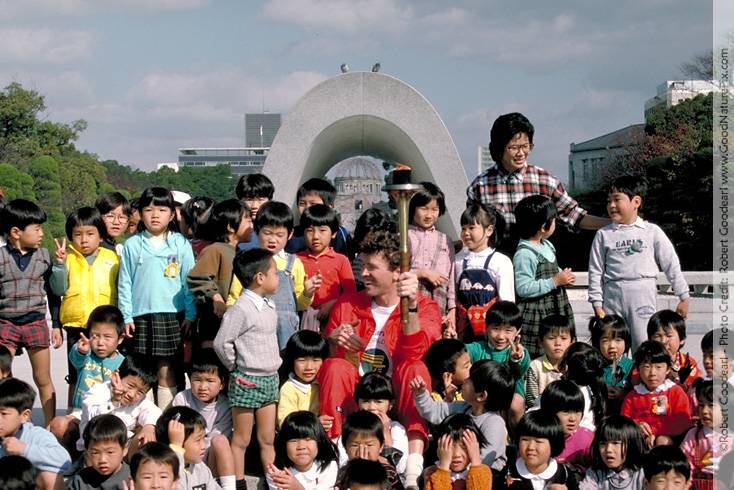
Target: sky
{"x": 152, "y": 76}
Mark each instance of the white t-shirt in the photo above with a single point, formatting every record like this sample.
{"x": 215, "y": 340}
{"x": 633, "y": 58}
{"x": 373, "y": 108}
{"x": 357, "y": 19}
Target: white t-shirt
{"x": 376, "y": 356}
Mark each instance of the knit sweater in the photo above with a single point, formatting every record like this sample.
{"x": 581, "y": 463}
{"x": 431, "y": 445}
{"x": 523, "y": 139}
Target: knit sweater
{"x": 607, "y": 479}
{"x": 525, "y": 263}
{"x": 483, "y": 350}
{"x": 247, "y": 340}
{"x": 666, "y": 409}
{"x": 630, "y": 252}
{"x": 23, "y": 292}
{"x": 540, "y": 374}
{"x": 478, "y": 477}
{"x": 153, "y": 279}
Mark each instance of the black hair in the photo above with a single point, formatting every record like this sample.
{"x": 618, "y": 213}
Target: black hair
{"x": 584, "y": 365}
{"x": 206, "y": 361}
{"x": 372, "y": 219}
{"x": 533, "y": 214}
{"x": 556, "y": 324}
{"x": 440, "y": 358}
{"x": 85, "y": 216}
{"x": 157, "y": 452}
{"x": 498, "y": 380}
{"x": 106, "y": 314}
{"x": 619, "y": 428}
{"x": 483, "y": 215}
{"x": 17, "y": 394}
{"x": 21, "y": 213}
{"x": 6, "y": 360}
{"x": 254, "y": 185}
{"x": 321, "y": 187}
{"x": 108, "y": 201}
{"x": 705, "y": 392}
{"x": 276, "y": 214}
{"x": 304, "y": 343}
{"x": 504, "y": 129}
{"x": 320, "y": 215}
{"x": 17, "y": 473}
{"x": 105, "y": 428}
{"x": 614, "y": 326}
{"x": 504, "y": 313}
{"x": 562, "y": 395}
{"x": 374, "y": 386}
{"x": 190, "y": 418}
{"x": 630, "y": 185}
{"x": 304, "y": 425}
{"x": 157, "y": 196}
{"x": 455, "y": 425}
{"x": 653, "y": 352}
{"x": 196, "y": 212}
{"x": 429, "y": 192}
{"x": 542, "y": 424}
{"x": 248, "y": 263}
{"x": 665, "y": 319}
{"x": 365, "y": 472}
{"x": 134, "y": 205}
{"x": 707, "y": 341}
{"x": 139, "y": 366}
{"x": 662, "y": 459}
{"x": 225, "y": 215}
{"x": 385, "y": 243}
{"x": 364, "y": 423}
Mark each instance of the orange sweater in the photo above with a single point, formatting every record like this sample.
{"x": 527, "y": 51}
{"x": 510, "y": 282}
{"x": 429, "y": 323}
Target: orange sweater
{"x": 478, "y": 478}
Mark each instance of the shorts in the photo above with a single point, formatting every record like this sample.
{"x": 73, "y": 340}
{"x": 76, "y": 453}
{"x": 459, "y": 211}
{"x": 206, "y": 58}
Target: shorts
{"x": 33, "y": 335}
{"x": 157, "y": 334}
{"x": 264, "y": 392}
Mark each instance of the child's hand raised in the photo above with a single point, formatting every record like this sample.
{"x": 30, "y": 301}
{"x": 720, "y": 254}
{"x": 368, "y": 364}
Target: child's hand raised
{"x": 82, "y": 345}
{"x": 445, "y": 452}
{"x": 449, "y": 388}
{"x": 312, "y": 284}
{"x": 386, "y": 428}
{"x": 469, "y": 438}
{"x": 517, "y": 351}
{"x": 418, "y": 385}
{"x": 564, "y": 278}
{"x": 116, "y": 383}
{"x": 176, "y": 431}
{"x": 60, "y": 250}
{"x": 147, "y": 434}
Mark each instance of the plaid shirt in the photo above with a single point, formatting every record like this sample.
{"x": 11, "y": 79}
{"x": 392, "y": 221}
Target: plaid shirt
{"x": 504, "y": 190}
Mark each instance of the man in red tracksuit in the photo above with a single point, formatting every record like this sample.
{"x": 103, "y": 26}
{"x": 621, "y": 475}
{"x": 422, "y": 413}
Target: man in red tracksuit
{"x": 365, "y": 334}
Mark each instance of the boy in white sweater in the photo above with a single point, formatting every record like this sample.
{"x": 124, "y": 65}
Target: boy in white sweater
{"x": 625, "y": 258}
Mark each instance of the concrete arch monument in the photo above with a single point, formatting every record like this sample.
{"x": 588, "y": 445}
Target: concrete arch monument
{"x": 365, "y": 113}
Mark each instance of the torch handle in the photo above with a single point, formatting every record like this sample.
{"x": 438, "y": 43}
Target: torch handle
{"x": 403, "y": 202}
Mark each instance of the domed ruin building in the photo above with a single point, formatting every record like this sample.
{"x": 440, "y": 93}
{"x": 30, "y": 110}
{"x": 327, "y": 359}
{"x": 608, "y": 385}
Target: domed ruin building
{"x": 358, "y": 183}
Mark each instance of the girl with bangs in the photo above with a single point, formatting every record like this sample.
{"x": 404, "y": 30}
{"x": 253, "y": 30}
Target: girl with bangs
{"x": 153, "y": 296}
{"x": 612, "y": 337}
{"x": 304, "y": 455}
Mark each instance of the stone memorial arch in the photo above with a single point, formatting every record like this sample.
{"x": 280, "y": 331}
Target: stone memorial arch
{"x": 365, "y": 113}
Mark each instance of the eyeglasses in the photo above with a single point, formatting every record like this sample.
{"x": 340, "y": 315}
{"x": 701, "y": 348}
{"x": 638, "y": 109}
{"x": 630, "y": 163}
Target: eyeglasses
{"x": 111, "y": 218}
{"x": 516, "y": 148}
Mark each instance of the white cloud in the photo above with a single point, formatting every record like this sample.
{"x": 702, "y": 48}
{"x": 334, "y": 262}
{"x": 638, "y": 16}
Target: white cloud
{"x": 30, "y": 46}
{"x": 339, "y": 15}
{"x": 30, "y": 9}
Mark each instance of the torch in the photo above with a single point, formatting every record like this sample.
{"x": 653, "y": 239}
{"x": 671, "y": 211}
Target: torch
{"x": 401, "y": 190}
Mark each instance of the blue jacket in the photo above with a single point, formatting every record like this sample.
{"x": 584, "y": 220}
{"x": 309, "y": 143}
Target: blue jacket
{"x": 41, "y": 449}
{"x": 154, "y": 281}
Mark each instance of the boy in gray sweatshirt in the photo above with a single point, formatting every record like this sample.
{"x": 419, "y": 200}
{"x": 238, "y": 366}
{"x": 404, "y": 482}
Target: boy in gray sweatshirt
{"x": 625, "y": 258}
{"x": 247, "y": 345}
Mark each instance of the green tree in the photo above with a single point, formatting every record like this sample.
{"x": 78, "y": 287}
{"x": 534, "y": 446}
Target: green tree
{"x": 16, "y": 184}
{"x": 47, "y": 188}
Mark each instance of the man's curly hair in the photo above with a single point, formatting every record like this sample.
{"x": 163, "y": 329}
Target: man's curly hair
{"x": 385, "y": 243}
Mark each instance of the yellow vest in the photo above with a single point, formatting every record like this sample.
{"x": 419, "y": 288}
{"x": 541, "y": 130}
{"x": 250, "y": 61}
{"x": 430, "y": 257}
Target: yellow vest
{"x": 89, "y": 285}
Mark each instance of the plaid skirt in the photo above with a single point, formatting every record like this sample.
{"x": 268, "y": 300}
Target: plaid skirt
{"x": 157, "y": 334}
{"x": 252, "y": 391}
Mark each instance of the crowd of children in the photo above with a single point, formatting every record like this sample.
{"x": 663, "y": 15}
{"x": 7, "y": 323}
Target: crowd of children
{"x": 232, "y": 299}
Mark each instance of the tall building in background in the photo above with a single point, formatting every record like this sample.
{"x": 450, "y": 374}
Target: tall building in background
{"x": 260, "y": 129}
{"x": 672, "y": 92}
{"x": 484, "y": 159}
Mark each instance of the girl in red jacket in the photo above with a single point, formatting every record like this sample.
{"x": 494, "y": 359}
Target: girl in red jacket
{"x": 658, "y": 405}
